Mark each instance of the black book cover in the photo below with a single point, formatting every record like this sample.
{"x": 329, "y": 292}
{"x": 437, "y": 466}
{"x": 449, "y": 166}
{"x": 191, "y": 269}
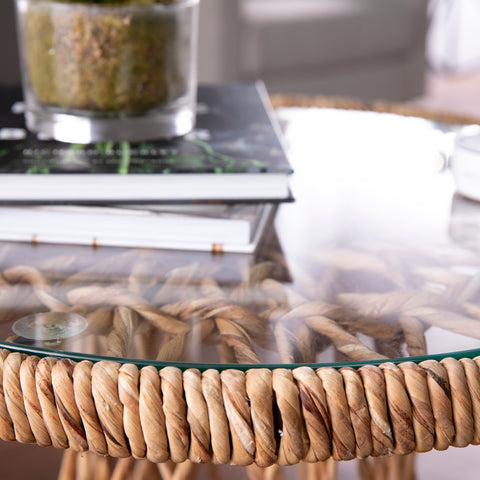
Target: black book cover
{"x": 234, "y": 134}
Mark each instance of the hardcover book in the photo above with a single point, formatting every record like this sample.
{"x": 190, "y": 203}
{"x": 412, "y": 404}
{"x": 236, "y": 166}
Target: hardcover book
{"x": 215, "y": 228}
{"x": 234, "y": 154}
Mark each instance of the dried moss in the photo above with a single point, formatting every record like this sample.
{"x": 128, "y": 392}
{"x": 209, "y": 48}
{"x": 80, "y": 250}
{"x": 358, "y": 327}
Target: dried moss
{"x": 103, "y": 58}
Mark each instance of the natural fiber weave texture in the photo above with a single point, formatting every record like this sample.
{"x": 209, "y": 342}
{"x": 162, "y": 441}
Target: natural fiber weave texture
{"x": 233, "y": 417}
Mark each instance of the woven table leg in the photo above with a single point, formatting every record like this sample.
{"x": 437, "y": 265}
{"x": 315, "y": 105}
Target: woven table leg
{"x": 123, "y": 469}
{"x": 103, "y": 467}
{"x": 402, "y": 467}
{"x": 146, "y": 471}
{"x": 255, "y": 472}
{"x": 326, "y": 470}
{"x": 68, "y": 466}
{"x": 84, "y": 467}
{"x": 182, "y": 471}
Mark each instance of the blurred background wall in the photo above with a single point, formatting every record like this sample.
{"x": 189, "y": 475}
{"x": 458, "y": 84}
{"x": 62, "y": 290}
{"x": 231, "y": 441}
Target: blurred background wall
{"x": 9, "y": 70}
{"x": 362, "y": 48}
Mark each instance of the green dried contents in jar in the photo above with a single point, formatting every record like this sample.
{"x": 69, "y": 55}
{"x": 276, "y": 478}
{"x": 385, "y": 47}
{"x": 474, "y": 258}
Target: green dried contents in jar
{"x": 105, "y": 56}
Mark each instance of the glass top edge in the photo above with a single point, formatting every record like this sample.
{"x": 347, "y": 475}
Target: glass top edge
{"x": 78, "y": 357}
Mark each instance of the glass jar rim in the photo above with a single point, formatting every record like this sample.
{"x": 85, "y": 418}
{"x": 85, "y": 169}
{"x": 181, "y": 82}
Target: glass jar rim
{"x": 177, "y": 5}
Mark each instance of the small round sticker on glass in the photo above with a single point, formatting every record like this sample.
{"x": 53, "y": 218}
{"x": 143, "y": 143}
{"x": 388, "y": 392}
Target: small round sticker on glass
{"x": 49, "y": 326}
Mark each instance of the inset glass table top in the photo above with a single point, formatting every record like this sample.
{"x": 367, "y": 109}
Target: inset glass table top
{"x": 376, "y": 258}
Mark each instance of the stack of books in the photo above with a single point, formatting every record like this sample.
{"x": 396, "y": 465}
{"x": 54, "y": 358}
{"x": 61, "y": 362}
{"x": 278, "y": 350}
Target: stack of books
{"x": 216, "y": 189}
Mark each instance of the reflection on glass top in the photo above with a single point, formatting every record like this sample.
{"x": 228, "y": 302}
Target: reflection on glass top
{"x": 376, "y": 258}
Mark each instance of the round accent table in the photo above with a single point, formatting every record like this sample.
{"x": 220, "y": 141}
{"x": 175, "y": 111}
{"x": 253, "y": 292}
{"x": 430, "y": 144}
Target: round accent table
{"x": 353, "y": 332}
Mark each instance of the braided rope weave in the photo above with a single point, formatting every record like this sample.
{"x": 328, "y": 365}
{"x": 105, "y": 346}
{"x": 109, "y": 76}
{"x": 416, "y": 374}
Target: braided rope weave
{"x": 260, "y": 416}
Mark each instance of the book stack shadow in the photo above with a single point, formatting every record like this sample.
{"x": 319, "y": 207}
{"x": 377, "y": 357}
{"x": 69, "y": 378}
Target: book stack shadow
{"x": 215, "y": 190}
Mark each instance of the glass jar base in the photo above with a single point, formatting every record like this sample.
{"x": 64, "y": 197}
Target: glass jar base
{"x": 72, "y": 128}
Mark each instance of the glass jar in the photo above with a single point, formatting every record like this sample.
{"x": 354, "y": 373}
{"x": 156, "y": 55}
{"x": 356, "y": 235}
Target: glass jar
{"x": 108, "y": 72}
